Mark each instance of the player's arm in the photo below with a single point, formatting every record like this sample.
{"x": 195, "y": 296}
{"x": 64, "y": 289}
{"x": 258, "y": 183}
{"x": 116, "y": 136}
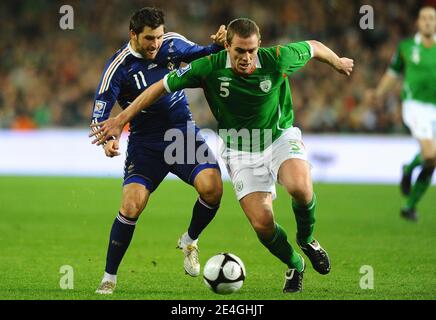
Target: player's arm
{"x": 324, "y": 54}
{"x": 386, "y": 83}
{"x": 105, "y": 98}
{"x": 188, "y": 77}
{"x": 113, "y": 127}
{"x": 191, "y": 51}
{"x": 293, "y": 56}
{"x": 391, "y": 76}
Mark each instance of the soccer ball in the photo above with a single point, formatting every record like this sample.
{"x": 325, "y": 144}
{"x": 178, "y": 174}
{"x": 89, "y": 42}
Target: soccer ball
{"x": 224, "y": 273}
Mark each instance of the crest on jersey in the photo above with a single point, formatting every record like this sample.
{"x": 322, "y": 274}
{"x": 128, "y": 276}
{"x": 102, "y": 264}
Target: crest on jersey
{"x": 239, "y": 185}
{"x": 180, "y": 72}
{"x": 170, "y": 65}
{"x": 416, "y": 58}
{"x": 265, "y": 85}
{"x": 99, "y": 107}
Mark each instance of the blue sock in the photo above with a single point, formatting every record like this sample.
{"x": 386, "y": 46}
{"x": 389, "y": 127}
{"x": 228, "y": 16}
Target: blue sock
{"x": 202, "y": 215}
{"x": 121, "y": 234}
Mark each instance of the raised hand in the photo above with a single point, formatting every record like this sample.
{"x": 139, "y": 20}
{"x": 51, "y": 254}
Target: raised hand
{"x": 220, "y": 36}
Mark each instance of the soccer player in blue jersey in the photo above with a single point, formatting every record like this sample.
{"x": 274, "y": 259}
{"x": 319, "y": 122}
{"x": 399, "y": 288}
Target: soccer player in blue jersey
{"x": 145, "y": 59}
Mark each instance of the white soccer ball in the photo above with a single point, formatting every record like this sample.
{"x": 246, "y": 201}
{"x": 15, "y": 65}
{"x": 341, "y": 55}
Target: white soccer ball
{"x": 224, "y": 273}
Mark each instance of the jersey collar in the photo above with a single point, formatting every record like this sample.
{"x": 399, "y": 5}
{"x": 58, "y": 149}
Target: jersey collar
{"x": 229, "y": 64}
{"x": 133, "y": 52}
{"x": 418, "y": 38}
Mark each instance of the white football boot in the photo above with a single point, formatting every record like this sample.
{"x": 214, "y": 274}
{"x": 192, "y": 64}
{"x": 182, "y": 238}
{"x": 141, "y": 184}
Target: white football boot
{"x": 191, "y": 262}
{"x": 106, "y": 287}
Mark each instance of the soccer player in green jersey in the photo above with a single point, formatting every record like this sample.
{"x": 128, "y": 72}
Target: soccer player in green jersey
{"x": 249, "y": 94}
{"x": 416, "y": 60}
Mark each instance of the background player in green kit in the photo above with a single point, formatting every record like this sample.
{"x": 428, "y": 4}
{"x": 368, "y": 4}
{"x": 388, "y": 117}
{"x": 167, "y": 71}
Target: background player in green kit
{"x": 416, "y": 59}
{"x": 249, "y": 94}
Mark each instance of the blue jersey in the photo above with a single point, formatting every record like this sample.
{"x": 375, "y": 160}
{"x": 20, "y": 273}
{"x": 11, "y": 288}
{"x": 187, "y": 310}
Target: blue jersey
{"x": 127, "y": 74}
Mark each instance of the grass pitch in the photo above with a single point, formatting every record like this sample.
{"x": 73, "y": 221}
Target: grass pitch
{"x": 47, "y": 223}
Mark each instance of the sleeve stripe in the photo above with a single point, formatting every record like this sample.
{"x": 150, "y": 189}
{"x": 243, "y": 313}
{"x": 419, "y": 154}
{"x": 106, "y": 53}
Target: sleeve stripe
{"x": 172, "y": 104}
{"x": 165, "y": 83}
{"x": 183, "y": 39}
{"x": 174, "y": 35}
{"x": 176, "y": 95}
{"x": 111, "y": 70}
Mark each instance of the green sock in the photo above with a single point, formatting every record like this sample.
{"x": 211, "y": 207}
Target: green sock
{"x": 305, "y": 217}
{"x": 417, "y": 161}
{"x": 420, "y": 187}
{"x": 279, "y": 246}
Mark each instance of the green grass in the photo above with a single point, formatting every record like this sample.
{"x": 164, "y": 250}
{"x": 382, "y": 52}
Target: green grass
{"x": 50, "y": 222}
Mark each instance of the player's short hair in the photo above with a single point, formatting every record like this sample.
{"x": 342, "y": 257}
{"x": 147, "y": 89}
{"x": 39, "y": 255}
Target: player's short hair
{"x": 146, "y": 17}
{"x": 243, "y": 27}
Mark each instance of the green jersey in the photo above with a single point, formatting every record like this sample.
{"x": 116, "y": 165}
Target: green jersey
{"x": 418, "y": 64}
{"x": 260, "y": 102}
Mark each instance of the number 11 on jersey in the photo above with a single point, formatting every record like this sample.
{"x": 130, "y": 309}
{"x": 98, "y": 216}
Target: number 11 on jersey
{"x": 138, "y": 84}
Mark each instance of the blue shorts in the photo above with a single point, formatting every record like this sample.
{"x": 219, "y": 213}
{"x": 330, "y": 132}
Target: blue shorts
{"x": 145, "y": 163}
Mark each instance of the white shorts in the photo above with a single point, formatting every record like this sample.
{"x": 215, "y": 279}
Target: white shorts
{"x": 420, "y": 117}
{"x": 257, "y": 171}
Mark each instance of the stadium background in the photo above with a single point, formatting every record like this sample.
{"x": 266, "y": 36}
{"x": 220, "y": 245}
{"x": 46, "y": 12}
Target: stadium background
{"x": 48, "y": 78}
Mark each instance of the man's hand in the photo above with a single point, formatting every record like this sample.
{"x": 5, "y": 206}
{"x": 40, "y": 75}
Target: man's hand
{"x": 344, "y": 66}
{"x": 111, "y": 148}
{"x": 324, "y": 54}
{"x": 220, "y": 36}
{"x": 110, "y": 129}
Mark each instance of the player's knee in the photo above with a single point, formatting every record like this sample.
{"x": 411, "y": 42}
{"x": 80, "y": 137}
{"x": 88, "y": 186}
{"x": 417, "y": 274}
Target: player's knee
{"x": 211, "y": 194}
{"x": 301, "y": 192}
{"x": 210, "y": 190}
{"x": 132, "y": 209}
{"x": 263, "y": 224}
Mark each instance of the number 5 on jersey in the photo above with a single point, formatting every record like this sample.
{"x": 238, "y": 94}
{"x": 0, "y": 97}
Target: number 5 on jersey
{"x": 224, "y": 89}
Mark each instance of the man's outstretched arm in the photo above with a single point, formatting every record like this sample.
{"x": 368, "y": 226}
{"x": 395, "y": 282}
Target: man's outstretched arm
{"x": 388, "y": 81}
{"x": 113, "y": 127}
{"x": 326, "y": 55}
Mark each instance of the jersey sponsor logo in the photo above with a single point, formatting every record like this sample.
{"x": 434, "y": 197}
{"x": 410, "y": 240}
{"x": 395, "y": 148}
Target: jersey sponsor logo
{"x": 151, "y": 66}
{"x": 99, "y": 107}
{"x": 265, "y": 85}
{"x": 224, "y": 79}
{"x": 171, "y": 49}
{"x": 180, "y": 72}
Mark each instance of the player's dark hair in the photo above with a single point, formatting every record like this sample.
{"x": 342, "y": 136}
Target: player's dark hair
{"x": 146, "y": 17}
{"x": 243, "y": 27}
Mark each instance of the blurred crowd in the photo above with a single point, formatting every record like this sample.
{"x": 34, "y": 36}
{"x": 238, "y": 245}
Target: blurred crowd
{"x": 48, "y": 76}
